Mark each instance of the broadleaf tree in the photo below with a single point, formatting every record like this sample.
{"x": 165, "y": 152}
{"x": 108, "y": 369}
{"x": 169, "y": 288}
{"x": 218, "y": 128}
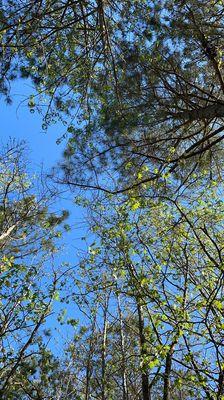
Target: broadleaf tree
{"x": 29, "y": 280}
{"x": 165, "y": 259}
{"x": 139, "y": 88}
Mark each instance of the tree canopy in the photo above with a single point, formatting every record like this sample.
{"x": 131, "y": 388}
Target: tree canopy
{"x": 137, "y": 83}
{"x": 139, "y": 88}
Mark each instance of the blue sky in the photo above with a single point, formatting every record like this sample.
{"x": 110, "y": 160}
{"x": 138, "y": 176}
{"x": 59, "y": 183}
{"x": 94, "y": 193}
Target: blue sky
{"x": 18, "y": 122}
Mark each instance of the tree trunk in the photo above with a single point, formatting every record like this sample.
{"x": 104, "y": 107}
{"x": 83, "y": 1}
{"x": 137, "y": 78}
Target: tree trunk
{"x": 166, "y": 387}
{"x": 104, "y": 344}
{"x": 142, "y": 341}
{"x": 122, "y": 339}
{"x": 89, "y": 361}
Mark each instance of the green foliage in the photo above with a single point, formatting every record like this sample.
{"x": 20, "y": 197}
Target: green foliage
{"x": 27, "y": 284}
{"x": 138, "y": 85}
{"x": 165, "y": 257}
{"x": 139, "y": 88}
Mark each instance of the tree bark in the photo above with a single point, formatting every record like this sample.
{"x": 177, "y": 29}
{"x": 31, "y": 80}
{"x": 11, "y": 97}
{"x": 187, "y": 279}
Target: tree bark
{"x": 166, "y": 387}
{"x": 104, "y": 349}
{"x": 122, "y": 339}
{"x": 142, "y": 341}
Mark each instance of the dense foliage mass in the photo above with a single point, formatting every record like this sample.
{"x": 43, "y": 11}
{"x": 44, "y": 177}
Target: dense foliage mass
{"x": 139, "y": 88}
{"x": 144, "y": 78}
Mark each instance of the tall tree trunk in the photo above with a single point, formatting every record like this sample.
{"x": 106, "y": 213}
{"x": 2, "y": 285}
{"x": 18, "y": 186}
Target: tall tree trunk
{"x": 104, "y": 344}
{"x": 220, "y": 393}
{"x": 142, "y": 341}
{"x": 166, "y": 386}
{"x": 122, "y": 341}
{"x": 89, "y": 360}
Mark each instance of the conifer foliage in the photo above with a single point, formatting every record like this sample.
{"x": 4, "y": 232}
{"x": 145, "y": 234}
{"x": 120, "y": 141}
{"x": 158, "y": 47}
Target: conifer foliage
{"x": 139, "y": 87}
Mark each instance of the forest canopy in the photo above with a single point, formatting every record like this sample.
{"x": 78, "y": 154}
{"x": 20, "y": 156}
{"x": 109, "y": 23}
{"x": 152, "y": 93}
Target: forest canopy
{"x": 139, "y": 88}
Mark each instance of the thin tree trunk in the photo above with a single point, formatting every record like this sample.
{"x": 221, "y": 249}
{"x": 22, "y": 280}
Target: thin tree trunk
{"x": 221, "y": 386}
{"x": 104, "y": 344}
{"x": 142, "y": 341}
{"x": 89, "y": 365}
{"x": 122, "y": 339}
{"x": 6, "y": 234}
{"x": 166, "y": 387}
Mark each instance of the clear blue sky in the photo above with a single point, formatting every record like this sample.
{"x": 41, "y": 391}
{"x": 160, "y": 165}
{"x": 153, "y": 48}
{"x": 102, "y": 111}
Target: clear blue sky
{"x": 18, "y": 122}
